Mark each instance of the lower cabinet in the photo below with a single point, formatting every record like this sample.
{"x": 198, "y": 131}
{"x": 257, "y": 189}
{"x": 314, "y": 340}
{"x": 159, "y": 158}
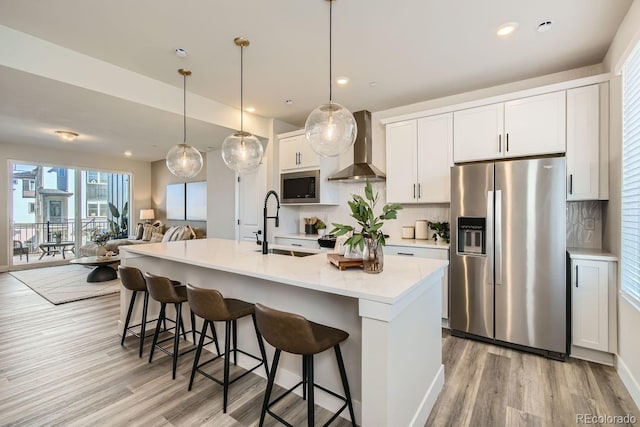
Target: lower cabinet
{"x": 422, "y": 252}
{"x": 593, "y": 305}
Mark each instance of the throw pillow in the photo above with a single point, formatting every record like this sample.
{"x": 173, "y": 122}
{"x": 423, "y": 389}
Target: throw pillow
{"x": 169, "y": 235}
{"x": 156, "y": 237}
{"x": 139, "y": 230}
{"x": 148, "y": 232}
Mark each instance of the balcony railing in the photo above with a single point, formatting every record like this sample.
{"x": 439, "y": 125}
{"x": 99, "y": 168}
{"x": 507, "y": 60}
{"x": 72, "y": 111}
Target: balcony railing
{"x": 33, "y": 234}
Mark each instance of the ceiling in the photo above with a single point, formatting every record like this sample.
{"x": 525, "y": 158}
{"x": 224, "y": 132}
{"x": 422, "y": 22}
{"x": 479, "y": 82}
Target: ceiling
{"x": 414, "y": 50}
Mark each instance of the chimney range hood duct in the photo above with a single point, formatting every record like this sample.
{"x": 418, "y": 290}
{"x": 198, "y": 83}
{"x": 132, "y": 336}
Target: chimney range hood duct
{"x": 361, "y": 169}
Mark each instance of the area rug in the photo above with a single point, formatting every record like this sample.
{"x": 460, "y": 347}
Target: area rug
{"x": 65, "y": 283}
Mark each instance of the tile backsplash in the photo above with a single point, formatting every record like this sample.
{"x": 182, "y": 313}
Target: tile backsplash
{"x": 584, "y": 224}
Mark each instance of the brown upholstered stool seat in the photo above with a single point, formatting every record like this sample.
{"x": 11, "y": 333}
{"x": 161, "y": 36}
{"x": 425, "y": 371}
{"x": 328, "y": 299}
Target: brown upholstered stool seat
{"x": 295, "y": 334}
{"x": 210, "y": 305}
{"x": 167, "y": 291}
{"x": 133, "y": 280}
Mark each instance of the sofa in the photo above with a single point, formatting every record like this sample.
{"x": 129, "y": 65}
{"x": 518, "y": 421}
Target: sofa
{"x": 144, "y": 233}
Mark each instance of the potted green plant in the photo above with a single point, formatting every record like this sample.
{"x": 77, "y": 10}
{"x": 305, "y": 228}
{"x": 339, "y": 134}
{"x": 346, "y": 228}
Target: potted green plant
{"x": 57, "y": 236}
{"x": 321, "y": 227}
{"x": 441, "y": 231}
{"x": 370, "y": 239}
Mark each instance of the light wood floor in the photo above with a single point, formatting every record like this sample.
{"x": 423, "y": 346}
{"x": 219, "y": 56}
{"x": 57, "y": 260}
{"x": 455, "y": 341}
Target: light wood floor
{"x": 63, "y": 365}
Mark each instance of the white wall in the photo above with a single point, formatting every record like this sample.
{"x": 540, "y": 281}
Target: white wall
{"x": 140, "y": 172}
{"x": 628, "y": 314}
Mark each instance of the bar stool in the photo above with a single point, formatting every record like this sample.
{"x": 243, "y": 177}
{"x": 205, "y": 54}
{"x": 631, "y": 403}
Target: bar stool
{"x": 167, "y": 291}
{"x": 213, "y": 307}
{"x": 133, "y": 280}
{"x": 294, "y": 334}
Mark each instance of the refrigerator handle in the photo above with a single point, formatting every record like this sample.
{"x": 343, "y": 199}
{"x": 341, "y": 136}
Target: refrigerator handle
{"x": 498, "y": 237}
{"x": 489, "y": 236}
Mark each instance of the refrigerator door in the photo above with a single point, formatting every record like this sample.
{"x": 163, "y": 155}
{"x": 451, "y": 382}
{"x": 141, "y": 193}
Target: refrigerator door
{"x": 471, "y": 293}
{"x": 530, "y": 291}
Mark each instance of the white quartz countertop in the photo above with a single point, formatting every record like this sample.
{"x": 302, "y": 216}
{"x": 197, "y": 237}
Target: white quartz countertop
{"x": 400, "y": 276}
{"x": 591, "y": 254}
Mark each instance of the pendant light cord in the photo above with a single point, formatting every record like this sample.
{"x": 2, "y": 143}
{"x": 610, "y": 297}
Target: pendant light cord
{"x": 241, "y": 89}
{"x": 184, "y": 106}
{"x": 330, "y": 53}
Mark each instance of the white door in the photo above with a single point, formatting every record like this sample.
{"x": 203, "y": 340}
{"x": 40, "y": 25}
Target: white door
{"x": 435, "y": 158}
{"x": 583, "y": 143}
{"x": 402, "y": 162}
{"x": 535, "y": 125}
{"x": 589, "y": 304}
{"x": 251, "y": 191}
{"x": 477, "y": 133}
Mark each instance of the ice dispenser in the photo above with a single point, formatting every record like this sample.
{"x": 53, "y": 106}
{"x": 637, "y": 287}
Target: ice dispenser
{"x": 471, "y": 235}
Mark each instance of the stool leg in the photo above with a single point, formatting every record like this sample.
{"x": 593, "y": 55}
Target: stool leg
{"x": 126, "y": 322}
{"x": 304, "y": 377}
{"x": 267, "y": 393}
{"x": 235, "y": 342}
{"x": 176, "y": 341}
{"x": 198, "y": 351}
{"x": 143, "y": 326}
{"x": 193, "y": 325}
{"x": 227, "y": 350}
{"x": 184, "y": 333}
{"x": 215, "y": 337}
{"x": 345, "y": 383}
{"x": 310, "y": 392}
{"x": 157, "y": 332}
{"x": 260, "y": 344}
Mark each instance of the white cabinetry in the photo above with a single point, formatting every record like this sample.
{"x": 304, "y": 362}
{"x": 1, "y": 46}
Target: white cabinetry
{"x": 593, "y": 309}
{"x": 587, "y": 154}
{"x": 419, "y": 158}
{"x": 296, "y": 154}
{"x": 422, "y": 252}
{"x": 518, "y": 128}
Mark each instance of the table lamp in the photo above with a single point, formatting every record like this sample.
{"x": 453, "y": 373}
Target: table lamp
{"x": 147, "y": 215}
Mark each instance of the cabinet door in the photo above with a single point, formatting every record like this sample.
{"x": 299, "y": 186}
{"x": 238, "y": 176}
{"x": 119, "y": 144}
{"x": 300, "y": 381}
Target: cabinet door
{"x": 289, "y": 152}
{"x": 589, "y": 304}
{"x": 583, "y": 143}
{"x": 477, "y": 133}
{"x": 307, "y": 158}
{"x": 401, "y": 162}
{"x": 435, "y": 158}
{"x": 535, "y": 125}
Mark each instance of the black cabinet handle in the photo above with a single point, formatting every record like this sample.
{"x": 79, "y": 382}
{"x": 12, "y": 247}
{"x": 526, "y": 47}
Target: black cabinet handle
{"x": 296, "y": 244}
{"x": 414, "y": 191}
{"x": 419, "y": 191}
{"x": 570, "y": 183}
{"x": 576, "y": 276}
{"x": 507, "y": 143}
{"x": 405, "y": 253}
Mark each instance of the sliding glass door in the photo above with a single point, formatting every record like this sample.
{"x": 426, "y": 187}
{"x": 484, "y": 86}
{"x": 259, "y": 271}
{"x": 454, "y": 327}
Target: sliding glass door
{"x": 57, "y": 210}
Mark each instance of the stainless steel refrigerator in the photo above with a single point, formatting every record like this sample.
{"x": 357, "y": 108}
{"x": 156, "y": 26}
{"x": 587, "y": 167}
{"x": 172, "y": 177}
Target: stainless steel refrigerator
{"x": 508, "y": 254}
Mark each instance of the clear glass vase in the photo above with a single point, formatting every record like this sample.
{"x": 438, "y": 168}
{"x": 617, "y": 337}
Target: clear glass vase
{"x": 373, "y": 256}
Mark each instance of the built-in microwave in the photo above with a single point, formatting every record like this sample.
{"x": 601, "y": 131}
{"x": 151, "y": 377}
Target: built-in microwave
{"x": 300, "y": 187}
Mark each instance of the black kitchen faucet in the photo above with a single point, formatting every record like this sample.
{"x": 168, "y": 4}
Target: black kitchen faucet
{"x": 265, "y": 244}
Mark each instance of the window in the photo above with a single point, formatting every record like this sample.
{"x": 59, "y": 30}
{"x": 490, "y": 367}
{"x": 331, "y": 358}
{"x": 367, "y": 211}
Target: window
{"x": 31, "y": 207}
{"x": 95, "y": 177}
{"x": 630, "y": 204}
{"x": 28, "y": 188}
{"x": 97, "y": 209}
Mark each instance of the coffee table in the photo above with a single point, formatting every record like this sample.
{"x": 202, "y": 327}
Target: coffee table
{"x": 53, "y": 248}
{"x": 103, "y": 271}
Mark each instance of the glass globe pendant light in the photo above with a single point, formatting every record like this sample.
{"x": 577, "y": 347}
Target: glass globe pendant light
{"x": 183, "y": 160}
{"x": 242, "y": 151}
{"x": 330, "y": 129}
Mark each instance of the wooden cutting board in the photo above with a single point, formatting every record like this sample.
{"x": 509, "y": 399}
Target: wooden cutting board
{"x": 343, "y": 263}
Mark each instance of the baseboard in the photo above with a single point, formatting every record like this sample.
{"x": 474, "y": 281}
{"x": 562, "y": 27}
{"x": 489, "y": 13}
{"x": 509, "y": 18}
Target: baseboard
{"x": 4, "y": 268}
{"x": 590, "y": 355}
{"x": 628, "y": 380}
{"x": 429, "y": 399}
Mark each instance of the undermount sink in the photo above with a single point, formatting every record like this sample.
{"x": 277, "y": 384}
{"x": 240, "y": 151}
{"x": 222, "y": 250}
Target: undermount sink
{"x": 288, "y": 252}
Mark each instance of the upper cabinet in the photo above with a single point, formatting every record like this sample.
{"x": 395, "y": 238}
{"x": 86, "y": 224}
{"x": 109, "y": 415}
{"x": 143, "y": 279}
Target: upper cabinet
{"x": 419, "y": 158}
{"x": 587, "y": 138}
{"x": 523, "y": 127}
{"x": 296, "y": 154}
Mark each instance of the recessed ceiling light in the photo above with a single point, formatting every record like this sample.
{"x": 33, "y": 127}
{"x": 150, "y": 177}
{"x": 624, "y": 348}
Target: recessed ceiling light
{"x": 182, "y": 53}
{"x": 342, "y": 81}
{"x": 288, "y": 101}
{"x": 373, "y": 84}
{"x": 506, "y": 29}
{"x": 66, "y": 135}
{"x": 545, "y": 26}
{"x": 128, "y": 153}
{"x": 250, "y": 110}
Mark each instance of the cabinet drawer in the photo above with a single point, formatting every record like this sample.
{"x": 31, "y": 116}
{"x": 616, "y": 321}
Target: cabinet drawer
{"x": 303, "y": 243}
{"x": 417, "y": 252}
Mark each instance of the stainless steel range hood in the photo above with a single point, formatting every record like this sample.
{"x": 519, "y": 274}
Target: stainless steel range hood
{"x": 362, "y": 167}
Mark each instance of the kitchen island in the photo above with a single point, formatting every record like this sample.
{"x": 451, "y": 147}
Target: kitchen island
{"x": 393, "y": 355}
